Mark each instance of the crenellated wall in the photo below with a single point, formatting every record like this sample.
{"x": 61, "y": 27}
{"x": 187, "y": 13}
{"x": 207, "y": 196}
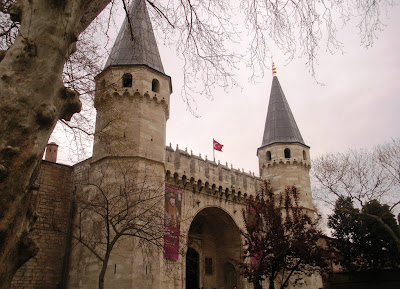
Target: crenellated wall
{"x": 203, "y": 174}
{"x": 290, "y": 168}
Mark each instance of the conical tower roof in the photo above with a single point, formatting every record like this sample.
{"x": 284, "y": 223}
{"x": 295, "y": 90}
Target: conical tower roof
{"x": 280, "y": 125}
{"x": 136, "y": 43}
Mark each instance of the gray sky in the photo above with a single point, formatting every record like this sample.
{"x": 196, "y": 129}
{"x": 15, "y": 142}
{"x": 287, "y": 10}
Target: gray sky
{"x": 358, "y": 105}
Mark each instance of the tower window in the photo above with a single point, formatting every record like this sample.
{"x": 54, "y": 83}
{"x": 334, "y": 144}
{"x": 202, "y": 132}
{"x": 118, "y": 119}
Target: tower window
{"x": 268, "y": 156}
{"x": 287, "y": 153}
{"x": 304, "y": 155}
{"x": 127, "y": 80}
{"x": 155, "y": 85}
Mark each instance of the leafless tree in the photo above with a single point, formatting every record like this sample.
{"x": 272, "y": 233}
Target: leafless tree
{"x": 389, "y": 158}
{"x": 38, "y": 37}
{"x": 362, "y": 176}
{"x": 109, "y": 213}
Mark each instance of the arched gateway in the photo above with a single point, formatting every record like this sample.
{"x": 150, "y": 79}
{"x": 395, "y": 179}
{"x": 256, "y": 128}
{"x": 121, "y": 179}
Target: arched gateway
{"x": 214, "y": 244}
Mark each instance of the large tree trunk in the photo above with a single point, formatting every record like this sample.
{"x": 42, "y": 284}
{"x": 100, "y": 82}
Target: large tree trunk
{"x": 32, "y": 99}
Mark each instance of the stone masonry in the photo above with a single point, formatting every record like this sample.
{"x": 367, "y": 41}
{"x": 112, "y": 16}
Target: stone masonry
{"x": 48, "y": 268}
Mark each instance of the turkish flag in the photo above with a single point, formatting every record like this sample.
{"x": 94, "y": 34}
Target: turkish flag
{"x": 217, "y": 145}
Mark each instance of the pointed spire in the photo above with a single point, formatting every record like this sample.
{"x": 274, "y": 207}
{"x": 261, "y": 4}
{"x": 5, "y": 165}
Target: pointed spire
{"x": 280, "y": 125}
{"x": 136, "y": 43}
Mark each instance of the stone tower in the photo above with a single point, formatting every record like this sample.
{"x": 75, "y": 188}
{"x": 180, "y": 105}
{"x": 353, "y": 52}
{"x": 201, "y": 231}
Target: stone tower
{"x": 128, "y": 163}
{"x": 51, "y": 152}
{"x": 284, "y": 158}
{"x": 132, "y": 94}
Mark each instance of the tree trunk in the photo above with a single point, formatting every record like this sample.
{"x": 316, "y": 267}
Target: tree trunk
{"x": 105, "y": 261}
{"x": 103, "y": 272}
{"x": 32, "y": 99}
{"x": 271, "y": 283}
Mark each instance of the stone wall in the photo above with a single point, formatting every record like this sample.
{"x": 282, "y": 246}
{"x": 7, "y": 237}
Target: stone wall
{"x": 209, "y": 175}
{"x": 45, "y": 270}
{"x": 131, "y": 121}
{"x": 290, "y": 170}
{"x": 215, "y": 195}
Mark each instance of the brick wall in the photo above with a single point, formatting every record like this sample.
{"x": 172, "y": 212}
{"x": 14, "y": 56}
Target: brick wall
{"x": 53, "y": 208}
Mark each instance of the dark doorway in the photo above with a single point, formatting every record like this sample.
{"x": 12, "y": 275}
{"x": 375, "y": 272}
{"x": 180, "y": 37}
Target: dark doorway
{"x": 230, "y": 276}
{"x": 192, "y": 269}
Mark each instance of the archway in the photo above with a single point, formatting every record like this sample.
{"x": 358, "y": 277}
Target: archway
{"x": 216, "y": 237}
{"x": 192, "y": 269}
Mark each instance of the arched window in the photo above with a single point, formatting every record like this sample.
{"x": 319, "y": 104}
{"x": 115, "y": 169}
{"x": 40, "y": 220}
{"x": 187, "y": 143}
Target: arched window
{"x": 155, "y": 85}
{"x": 287, "y": 153}
{"x": 304, "y": 155}
{"x": 127, "y": 80}
{"x": 268, "y": 155}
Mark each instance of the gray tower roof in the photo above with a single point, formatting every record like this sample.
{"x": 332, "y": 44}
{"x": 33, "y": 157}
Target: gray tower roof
{"x": 280, "y": 125}
{"x": 137, "y": 45}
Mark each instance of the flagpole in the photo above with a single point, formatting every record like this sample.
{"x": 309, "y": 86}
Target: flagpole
{"x": 213, "y": 151}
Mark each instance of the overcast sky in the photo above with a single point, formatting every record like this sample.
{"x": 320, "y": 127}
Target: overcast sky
{"x": 358, "y": 105}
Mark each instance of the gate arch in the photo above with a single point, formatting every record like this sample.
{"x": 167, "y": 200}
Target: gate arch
{"x": 216, "y": 236}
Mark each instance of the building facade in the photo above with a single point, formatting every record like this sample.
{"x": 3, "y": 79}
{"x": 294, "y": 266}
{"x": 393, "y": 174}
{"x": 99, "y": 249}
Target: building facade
{"x": 193, "y": 206}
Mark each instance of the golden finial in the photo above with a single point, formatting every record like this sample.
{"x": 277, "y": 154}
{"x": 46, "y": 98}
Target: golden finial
{"x": 273, "y": 69}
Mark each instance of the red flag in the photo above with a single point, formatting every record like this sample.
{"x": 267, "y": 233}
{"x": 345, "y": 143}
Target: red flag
{"x": 217, "y": 145}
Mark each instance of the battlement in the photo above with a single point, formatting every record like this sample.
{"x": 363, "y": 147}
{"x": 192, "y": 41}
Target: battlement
{"x": 290, "y": 161}
{"x": 203, "y": 175}
{"x": 130, "y": 82}
{"x": 105, "y": 98}
{"x": 284, "y": 154}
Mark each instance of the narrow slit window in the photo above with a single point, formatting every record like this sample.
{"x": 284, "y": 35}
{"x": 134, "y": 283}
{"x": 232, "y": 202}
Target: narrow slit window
{"x": 268, "y": 156}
